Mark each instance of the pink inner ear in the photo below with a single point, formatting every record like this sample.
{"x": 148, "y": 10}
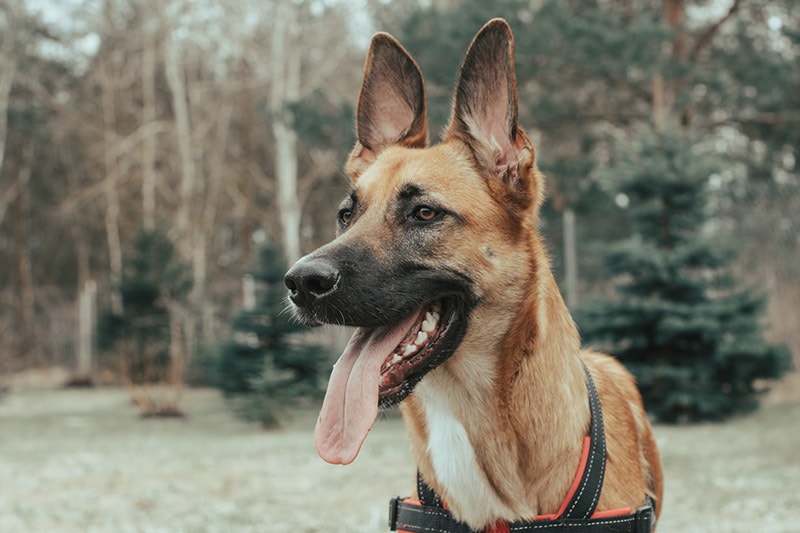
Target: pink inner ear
{"x": 487, "y": 122}
{"x": 493, "y": 129}
{"x": 395, "y": 118}
{"x": 507, "y": 164}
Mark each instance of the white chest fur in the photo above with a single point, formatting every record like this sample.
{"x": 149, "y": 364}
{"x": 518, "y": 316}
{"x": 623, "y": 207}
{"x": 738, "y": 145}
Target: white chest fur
{"x": 455, "y": 464}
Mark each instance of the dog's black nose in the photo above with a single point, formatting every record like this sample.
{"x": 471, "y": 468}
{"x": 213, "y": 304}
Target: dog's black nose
{"x": 310, "y": 279}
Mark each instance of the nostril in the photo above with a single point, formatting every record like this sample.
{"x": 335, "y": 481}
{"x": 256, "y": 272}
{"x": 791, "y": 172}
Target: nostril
{"x": 320, "y": 285}
{"x": 290, "y": 284}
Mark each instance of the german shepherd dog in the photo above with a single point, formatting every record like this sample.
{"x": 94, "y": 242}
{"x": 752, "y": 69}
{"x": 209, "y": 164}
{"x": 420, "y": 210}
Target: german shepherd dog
{"x": 438, "y": 265}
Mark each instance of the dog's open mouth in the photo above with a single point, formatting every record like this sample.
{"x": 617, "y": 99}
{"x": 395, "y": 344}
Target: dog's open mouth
{"x": 414, "y": 356}
{"x": 380, "y": 367}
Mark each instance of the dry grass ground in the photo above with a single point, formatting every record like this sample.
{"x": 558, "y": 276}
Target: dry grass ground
{"x": 82, "y": 460}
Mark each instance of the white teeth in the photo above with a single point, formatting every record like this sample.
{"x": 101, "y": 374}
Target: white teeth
{"x": 428, "y": 326}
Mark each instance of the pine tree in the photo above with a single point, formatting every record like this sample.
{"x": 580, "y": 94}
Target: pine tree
{"x": 144, "y": 344}
{"x": 153, "y": 279}
{"x": 680, "y": 321}
{"x": 265, "y": 365}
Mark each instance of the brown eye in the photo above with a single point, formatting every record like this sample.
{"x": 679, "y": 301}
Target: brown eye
{"x": 425, "y": 213}
{"x": 345, "y": 216}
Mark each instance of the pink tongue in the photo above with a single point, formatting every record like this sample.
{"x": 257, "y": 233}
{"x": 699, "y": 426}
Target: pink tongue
{"x": 351, "y": 402}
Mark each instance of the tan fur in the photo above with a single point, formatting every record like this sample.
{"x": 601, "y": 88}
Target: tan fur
{"x": 516, "y": 382}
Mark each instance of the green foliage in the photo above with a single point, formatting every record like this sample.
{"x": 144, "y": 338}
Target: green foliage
{"x": 680, "y": 321}
{"x": 265, "y": 365}
{"x": 137, "y": 341}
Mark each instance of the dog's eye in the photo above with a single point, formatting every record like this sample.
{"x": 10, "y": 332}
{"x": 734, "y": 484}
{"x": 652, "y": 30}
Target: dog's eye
{"x": 345, "y": 216}
{"x": 425, "y": 214}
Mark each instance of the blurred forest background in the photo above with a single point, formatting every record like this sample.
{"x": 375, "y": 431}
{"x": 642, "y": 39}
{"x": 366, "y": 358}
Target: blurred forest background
{"x": 152, "y": 150}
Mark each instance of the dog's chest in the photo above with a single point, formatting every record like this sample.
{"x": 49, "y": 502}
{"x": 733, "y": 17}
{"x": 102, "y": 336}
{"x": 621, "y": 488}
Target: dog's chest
{"x": 456, "y": 466}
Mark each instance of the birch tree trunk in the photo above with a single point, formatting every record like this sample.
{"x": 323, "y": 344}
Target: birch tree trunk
{"x": 173, "y": 67}
{"x": 111, "y": 164}
{"x": 570, "y": 258}
{"x": 285, "y": 88}
{"x": 191, "y": 240}
{"x": 87, "y": 309}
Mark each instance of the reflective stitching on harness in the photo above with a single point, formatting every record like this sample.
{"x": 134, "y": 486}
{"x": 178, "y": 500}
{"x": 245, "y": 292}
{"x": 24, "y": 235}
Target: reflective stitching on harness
{"x": 597, "y": 427}
{"x": 593, "y": 523}
{"x": 597, "y": 433}
{"x": 599, "y": 485}
{"x": 583, "y": 485}
{"x": 425, "y": 511}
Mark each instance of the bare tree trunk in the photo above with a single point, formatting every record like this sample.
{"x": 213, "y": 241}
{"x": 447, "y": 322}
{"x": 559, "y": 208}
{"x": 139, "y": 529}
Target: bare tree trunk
{"x": 675, "y": 13}
{"x": 22, "y": 214}
{"x": 248, "y": 292}
{"x": 8, "y": 69}
{"x": 215, "y": 178}
{"x": 199, "y": 296}
{"x": 246, "y": 156}
{"x": 175, "y": 78}
{"x": 177, "y": 359}
{"x": 149, "y": 142}
{"x": 658, "y": 102}
{"x": 82, "y": 255}
{"x": 570, "y": 258}
{"x": 285, "y": 88}
{"x": 191, "y": 241}
{"x": 86, "y": 327}
{"x": 664, "y": 91}
{"x": 110, "y": 185}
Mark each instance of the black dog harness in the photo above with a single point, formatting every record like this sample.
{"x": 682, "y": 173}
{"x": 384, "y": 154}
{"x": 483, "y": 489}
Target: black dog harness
{"x": 430, "y": 515}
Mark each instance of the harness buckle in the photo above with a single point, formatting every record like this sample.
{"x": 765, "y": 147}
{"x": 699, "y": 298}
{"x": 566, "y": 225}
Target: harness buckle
{"x": 393, "y": 513}
{"x": 645, "y": 519}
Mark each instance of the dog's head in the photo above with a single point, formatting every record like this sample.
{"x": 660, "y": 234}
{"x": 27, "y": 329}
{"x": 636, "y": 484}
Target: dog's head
{"x": 422, "y": 233}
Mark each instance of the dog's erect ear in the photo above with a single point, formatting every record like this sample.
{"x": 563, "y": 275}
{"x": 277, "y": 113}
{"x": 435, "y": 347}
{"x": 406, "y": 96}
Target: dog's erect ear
{"x": 391, "y": 105}
{"x": 485, "y": 104}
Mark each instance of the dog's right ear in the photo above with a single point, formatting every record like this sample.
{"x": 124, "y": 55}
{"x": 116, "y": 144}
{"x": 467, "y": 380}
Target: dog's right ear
{"x": 391, "y": 105}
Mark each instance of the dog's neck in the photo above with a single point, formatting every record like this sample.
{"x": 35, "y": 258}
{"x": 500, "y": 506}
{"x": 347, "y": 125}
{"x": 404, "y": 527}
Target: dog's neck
{"x": 498, "y": 429}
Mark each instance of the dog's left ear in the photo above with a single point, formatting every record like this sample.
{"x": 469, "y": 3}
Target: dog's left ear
{"x": 391, "y": 105}
{"x": 484, "y": 113}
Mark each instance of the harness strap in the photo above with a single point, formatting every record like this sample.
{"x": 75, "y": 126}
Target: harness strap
{"x": 584, "y": 501}
{"x": 410, "y": 517}
{"x": 429, "y": 515}
{"x": 427, "y": 496}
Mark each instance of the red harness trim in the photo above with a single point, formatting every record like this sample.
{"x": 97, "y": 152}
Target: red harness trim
{"x": 502, "y": 526}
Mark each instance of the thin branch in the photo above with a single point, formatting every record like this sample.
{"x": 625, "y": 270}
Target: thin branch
{"x": 705, "y": 39}
{"x": 779, "y": 117}
{"x": 67, "y": 109}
